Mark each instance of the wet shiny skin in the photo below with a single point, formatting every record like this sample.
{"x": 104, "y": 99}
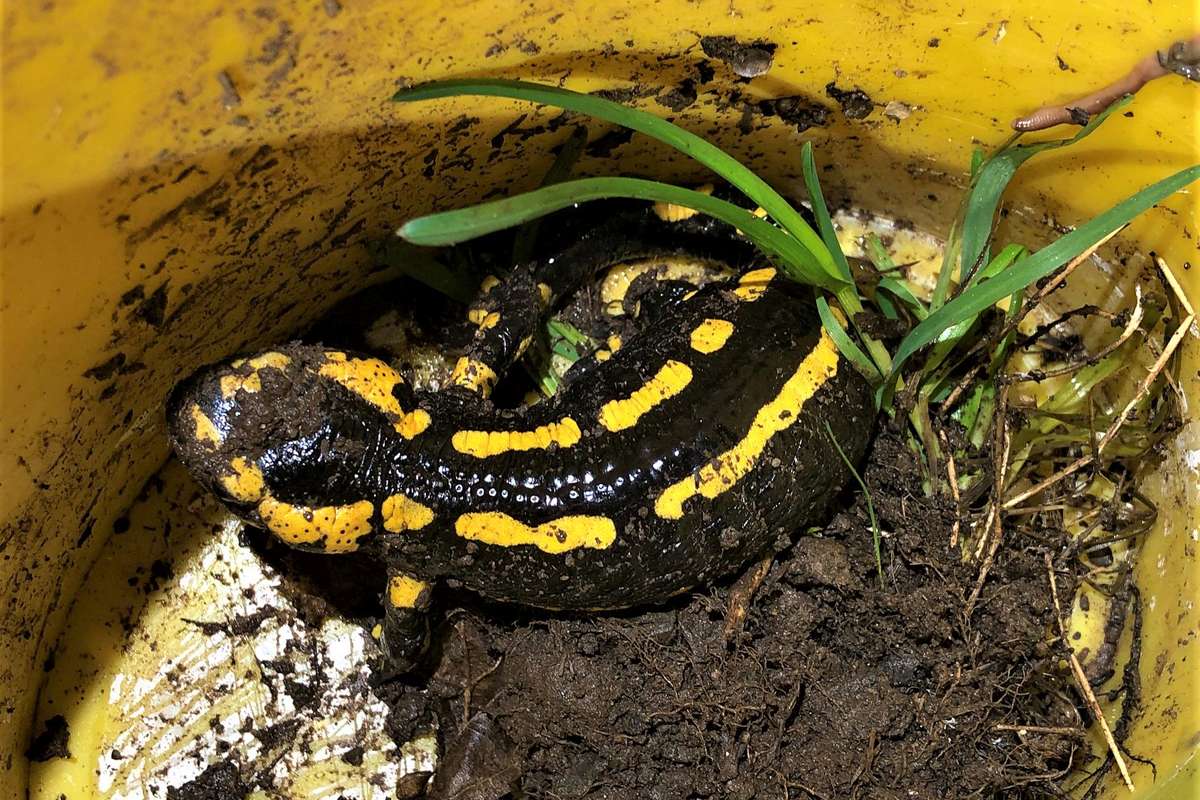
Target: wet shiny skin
{"x": 318, "y": 444}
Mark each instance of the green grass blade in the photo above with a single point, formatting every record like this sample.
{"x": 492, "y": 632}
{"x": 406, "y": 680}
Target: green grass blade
{"x": 688, "y": 143}
{"x": 821, "y": 211}
{"x": 878, "y": 253}
{"x": 993, "y": 178}
{"x": 977, "y": 157}
{"x": 886, "y": 306}
{"x": 876, "y": 534}
{"x": 902, "y": 293}
{"x": 1038, "y": 265}
{"x": 845, "y": 344}
{"x": 452, "y": 227}
{"x": 949, "y": 259}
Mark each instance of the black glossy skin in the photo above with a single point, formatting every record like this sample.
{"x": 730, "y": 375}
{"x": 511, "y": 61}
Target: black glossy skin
{"x": 317, "y": 444}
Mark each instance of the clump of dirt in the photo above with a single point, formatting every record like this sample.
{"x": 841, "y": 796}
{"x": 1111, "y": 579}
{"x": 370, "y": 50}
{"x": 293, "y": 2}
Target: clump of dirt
{"x": 855, "y": 103}
{"x": 746, "y": 59}
{"x": 838, "y": 684}
{"x": 52, "y": 741}
{"x": 220, "y": 781}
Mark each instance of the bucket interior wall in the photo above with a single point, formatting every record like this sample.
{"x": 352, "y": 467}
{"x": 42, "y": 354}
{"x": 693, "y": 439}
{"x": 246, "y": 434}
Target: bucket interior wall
{"x": 184, "y": 183}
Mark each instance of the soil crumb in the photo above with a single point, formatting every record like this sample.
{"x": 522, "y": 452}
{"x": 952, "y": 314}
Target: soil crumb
{"x": 747, "y": 60}
{"x": 855, "y": 103}
{"x": 51, "y": 742}
{"x": 218, "y": 782}
{"x": 798, "y": 111}
{"x": 840, "y": 685}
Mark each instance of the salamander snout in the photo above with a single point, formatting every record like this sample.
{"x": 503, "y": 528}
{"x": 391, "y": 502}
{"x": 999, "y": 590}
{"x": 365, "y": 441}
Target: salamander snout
{"x": 228, "y": 418}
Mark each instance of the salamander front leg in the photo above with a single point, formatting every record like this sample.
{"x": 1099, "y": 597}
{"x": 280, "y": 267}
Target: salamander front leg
{"x": 404, "y": 634}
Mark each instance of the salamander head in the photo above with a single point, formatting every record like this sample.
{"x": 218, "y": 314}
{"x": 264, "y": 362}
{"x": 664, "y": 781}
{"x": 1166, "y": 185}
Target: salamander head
{"x": 281, "y": 436}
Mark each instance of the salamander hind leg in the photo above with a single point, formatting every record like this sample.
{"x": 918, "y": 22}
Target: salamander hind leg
{"x": 404, "y": 633}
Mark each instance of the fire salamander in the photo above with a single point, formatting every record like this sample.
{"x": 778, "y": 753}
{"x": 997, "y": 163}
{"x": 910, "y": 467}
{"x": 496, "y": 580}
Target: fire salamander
{"x": 663, "y": 462}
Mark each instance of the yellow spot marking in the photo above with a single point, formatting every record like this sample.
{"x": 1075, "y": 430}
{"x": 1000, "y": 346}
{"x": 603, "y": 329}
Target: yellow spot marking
{"x": 669, "y": 212}
{"x": 614, "y": 343}
{"x": 337, "y": 527}
{"x": 405, "y": 592}
{"x": 557, "y": 536}
{"x": 270, "y": 359}
{"x": 246, "y": 483}
{"x": 373, "y": 381}
{"x": 752, "y": 285}
{"x": 247, "y": 383}
{"x": 377, "y": 632}
{"x": 402, "y": 513}
{"x": 617, "y": 281}
{"x": 524, "y": 345}
{"x": 473, "y": 375}
{"x": 711, "y": 335}
{"x": 476, "y": 316}
{"x": 206, "y": 431}
{"x": 253, "y": 382}
{"x": 491, "y": 320}
{"x": 670, "y": 380}
{"x": 546, "y": 292}
{"x": 488, "y": 283}
{"x": 722, "y": 472}
{"x": 482, "y": 444}
{"x": 603, "y": 355}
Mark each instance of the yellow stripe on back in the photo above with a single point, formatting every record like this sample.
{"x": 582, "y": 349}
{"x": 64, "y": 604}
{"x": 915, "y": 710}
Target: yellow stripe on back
{"x": 723, "y": 472}
{"x": 557, "y": 536}
{"x": 482, "y": 444}
{"x": 671, "y": 379}
{"x": 711, "y": 335}
{"x": 373, "y": 381}
{"x": 752, "y": 285}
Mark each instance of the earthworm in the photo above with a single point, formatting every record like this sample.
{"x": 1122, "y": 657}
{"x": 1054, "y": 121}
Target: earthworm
{"x": 1182, "y": 58}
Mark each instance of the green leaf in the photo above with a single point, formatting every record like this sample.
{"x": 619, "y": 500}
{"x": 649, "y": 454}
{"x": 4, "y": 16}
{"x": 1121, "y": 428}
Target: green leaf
{"x": 1037, "y": 265}
{"x": 876, "y": 534}
{"x": 845, "y": 344}
{"x": 878, "y": 254}
{"x": 566, "y": 339}
{"x": 993, "y": 177}
{"x": 821, "y": 211}
{"x": 904, "y": 295}
{"x": 451, "y": 227}
{"x": 977, "y": 156}
{"x": 886, "y": 306}
{"x": 687, "y": 143}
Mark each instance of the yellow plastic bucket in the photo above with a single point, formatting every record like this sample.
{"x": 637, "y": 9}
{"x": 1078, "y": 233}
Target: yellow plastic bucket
{"x": 185, "y": 181}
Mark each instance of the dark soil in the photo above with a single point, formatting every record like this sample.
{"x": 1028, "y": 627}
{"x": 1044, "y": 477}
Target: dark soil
{"x": 51, "y": 742}
{"x": 855, "y": 103}
{"x": 219, "y": 782}
{"x": 836, "y": 687}
{"x": 746, "y": 59}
